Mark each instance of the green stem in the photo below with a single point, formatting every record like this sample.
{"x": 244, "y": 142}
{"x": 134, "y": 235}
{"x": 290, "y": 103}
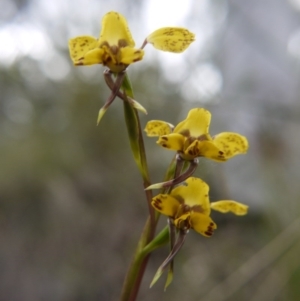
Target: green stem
{"x": 147, "y": 242}
{"x": 139, "y": 262}
{"x": 136, "y": 270}
{"x": 137, "y": 146}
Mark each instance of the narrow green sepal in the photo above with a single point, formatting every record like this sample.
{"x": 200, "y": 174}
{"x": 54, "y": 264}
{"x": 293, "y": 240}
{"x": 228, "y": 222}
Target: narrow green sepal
{"x": 138, "y": 106}
{"x": 156, "y": 186}
{"x": 169, "y": 277}
{"x": 133, "y": 133}
{"x": 100, "y": 114}
{"x": 169, "y": 260}
{"x": 134, "y": 130}
{"x": 156, "y": 276}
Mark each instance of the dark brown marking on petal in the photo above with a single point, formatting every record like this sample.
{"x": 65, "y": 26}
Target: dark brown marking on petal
{"x": 208, "y": 233}
{"x": 202, "y": 137}
{"x": 179, "y": 198}
{"x": 114, "y": 49}
{"x": 210, "y": 228}
{"x": 104, "y": 44}
{"x": 122, "y": 43}
{"x": 164, "y": 138}
{"x": 157, "y": 204}
{"x": 186, "y": 208}
{"x": 197, "y": 208}
{"x": 190, "y": 139}
{"x": 185, "y": 133}
{"x": 157, "y": 207}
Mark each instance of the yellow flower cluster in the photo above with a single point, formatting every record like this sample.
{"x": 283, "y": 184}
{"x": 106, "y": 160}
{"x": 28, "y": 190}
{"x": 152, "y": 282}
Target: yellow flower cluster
{"x": 188, "y": 205}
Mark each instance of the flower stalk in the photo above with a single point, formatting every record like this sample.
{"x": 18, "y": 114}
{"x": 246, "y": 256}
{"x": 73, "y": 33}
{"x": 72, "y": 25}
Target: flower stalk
{"x": 136, "y": 271}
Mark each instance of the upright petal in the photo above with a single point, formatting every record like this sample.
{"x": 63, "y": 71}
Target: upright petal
{"x": 115, "y": 30}
{"x": 172, "y": 141}
{"x": 156, "y": 128}
{"x": 231, "y": 144}
{"x": 197, "y": 123}
{"x": 194, "y": 192}
{"x": 79, "y": 46}
{"x": 172, "y": 39}
{"x": 165, "y": 204}
{"x": 202, "y": 223}
{"x": 230, "y": 206}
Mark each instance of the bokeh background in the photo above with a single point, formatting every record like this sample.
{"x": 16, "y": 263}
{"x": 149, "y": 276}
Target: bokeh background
{"x": 71, "y": 200}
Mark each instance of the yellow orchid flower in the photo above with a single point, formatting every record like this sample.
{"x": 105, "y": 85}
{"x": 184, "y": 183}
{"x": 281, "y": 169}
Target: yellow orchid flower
{"x": 115, "y": 46}
{"x": 191, "y": 138}
{"x": 189, "y": 207}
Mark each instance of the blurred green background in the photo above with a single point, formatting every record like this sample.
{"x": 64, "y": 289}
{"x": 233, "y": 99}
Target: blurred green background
{"x": 71, "y": 200}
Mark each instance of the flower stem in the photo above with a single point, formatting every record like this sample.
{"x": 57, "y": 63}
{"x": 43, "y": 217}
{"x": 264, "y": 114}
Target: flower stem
{"x": 140, "y": 259}
{"x": 137, "y": 146}
{"x": 137, "y": 268}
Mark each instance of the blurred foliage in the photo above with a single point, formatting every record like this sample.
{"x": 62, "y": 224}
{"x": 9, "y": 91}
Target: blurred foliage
{"x": 71, "y": 199}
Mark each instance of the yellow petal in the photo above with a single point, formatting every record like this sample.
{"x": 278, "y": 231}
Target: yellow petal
{"x": 194, "y": 192}
{"x": 79, "y": 46}
{"x": 131, "y": 55}
{"x": 92, "y": 57}
{"x": 115, "y": 31}
{"x": 156, "y": 128}
{"x": 231, "y": 144}
{"x": 165, "y": 204}
{"x": 206, "y": 149}
{"x": 230, "y": 206}
{"x": 196, "y": 123}
{"x": 172, "y": 141}
{"x": 203, "y": 224}
{"x": 172, "y": 39}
